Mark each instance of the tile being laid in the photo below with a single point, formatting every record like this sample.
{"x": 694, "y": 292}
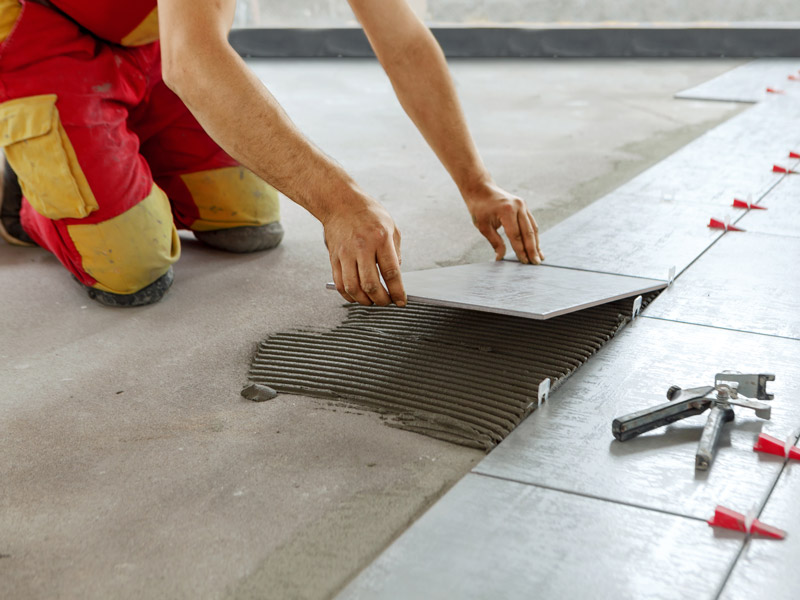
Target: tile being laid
{"x": 747, "y": 281}
{"x": 511, "y": 288}
{"x": 567, "y": 444}
{"x": 488, "y": 538}
{"x": 768, "y": 568}
{"x": 782, "y": 214}
{"x": 631, "y": 235}
{"x": 747, "y": 83}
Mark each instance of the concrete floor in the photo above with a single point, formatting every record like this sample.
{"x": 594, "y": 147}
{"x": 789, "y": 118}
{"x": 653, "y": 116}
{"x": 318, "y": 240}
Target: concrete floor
{"x": 131, "y": 467}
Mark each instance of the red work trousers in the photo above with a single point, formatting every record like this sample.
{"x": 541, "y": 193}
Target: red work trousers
{"x": 109, "y": 159}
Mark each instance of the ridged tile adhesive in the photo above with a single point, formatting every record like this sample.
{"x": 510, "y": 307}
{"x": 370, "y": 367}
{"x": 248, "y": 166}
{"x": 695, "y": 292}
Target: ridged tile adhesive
{"x": 462, "y": 376}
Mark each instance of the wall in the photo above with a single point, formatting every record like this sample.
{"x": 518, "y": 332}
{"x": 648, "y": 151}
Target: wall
{"x": 336, "y": 13}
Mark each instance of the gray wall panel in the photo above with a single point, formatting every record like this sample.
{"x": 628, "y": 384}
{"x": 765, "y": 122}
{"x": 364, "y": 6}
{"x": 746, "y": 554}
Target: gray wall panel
{"x": 545, "y": 40}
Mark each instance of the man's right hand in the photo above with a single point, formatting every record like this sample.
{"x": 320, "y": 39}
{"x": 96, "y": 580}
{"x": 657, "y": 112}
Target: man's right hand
{"x": 363, "y": 241}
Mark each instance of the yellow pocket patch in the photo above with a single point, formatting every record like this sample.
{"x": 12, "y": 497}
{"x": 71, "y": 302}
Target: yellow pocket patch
{"x": 145, "y": 32}
{"x": 39, "y": 151}
{"x": 231, "y": 197}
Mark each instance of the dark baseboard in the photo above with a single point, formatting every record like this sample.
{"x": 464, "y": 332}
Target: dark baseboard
{"x": 737, "y": 41}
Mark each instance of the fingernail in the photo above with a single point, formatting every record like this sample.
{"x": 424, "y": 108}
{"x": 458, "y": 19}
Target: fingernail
{"x": 525, "y": 260}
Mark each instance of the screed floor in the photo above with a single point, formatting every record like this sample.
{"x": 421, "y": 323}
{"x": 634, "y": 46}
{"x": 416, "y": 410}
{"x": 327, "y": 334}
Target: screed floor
{"x": 130, "y": 465}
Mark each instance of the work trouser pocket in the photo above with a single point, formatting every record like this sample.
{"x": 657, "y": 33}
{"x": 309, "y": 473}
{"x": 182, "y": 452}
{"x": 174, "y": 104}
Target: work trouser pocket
{"x": 39, "y": 151}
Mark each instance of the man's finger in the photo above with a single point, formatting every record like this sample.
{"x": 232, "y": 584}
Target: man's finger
{"x": 528, "y": 236}
{"x": 352, "y": 285}
{"x": 371, "y": 281}
{"x": 536, "y": 235}
{"x": 389, "y": 264}
{"x": 495, "y": 239}
{"x": 336, "y": 270}
{"x": 511, "y": 225}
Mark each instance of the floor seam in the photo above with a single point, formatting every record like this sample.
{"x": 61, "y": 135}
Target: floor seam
{"x": 714, "y": 242}
{"x": 746, "y": 541}
{"x": 771, "y": 335}
{"x": 585, "y": 495}
{"x": 779, "y": 235}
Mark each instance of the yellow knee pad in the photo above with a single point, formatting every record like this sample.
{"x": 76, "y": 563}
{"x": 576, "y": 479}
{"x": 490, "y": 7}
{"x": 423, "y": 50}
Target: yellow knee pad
{"x": 130, "y": 251}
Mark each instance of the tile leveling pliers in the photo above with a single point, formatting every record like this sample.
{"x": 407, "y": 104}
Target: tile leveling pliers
{"x": 729, "y": 389}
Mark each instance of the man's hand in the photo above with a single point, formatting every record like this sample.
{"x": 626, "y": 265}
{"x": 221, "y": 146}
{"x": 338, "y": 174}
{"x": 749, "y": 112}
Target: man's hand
{"x": 416, "y": 66}
{"x": 361, "y": 241}
{"x": 492, "y": 207}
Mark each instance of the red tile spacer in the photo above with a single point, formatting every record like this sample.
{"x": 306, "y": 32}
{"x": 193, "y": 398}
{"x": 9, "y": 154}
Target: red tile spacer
{"x": 771, "y": 445}
{"x": 730, "y": 519}
{"x": 780, "y": 169}
{"x": 717, "y": 224}
{"x": 774, "y": 91}
{"x": 743, "y": 204}
{"x": 794, "y": 155}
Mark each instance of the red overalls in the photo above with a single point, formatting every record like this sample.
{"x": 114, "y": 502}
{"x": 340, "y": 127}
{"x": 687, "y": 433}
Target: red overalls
{"x": 108, "y": 158}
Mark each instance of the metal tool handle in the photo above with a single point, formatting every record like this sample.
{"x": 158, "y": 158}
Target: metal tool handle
{"x": 718, "y": 416}
{"x": 763, "y": 411}
{"x": 629, "y": 426}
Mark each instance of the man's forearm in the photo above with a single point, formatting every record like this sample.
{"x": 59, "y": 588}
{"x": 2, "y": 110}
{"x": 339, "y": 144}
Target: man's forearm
{"x": 418, "y": 71}
{"x": 242, "y": 116}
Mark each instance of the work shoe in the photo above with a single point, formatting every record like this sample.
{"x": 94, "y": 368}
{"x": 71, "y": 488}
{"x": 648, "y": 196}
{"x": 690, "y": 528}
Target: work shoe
{"x": 148, "y": 295}
{"x": 10, "y": 204}
{"x": 243, "y": 239}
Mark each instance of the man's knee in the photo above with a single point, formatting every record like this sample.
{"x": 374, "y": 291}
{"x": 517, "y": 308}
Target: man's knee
{"x": 130, "y": 253}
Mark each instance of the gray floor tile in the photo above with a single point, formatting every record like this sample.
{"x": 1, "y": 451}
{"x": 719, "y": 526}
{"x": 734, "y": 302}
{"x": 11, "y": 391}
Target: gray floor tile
{"x": 782, "y": 216}
{"x": 568, "y": 445}
{"x": 747, "y": 281}
{"x": 511, "y": 288}
{"x": 748, "y": 82}
{"x": 734, "y": 159}
{"x": 631, "y": 235}
{"x": 489, "y": 538}
{"x": 768, "y": 568}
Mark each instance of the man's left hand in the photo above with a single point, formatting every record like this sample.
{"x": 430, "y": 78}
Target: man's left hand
{"x": 492, "y": 207}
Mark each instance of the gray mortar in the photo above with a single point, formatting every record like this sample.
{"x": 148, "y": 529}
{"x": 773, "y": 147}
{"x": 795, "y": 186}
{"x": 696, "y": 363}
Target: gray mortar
{"x": 461, "y": 376}
{"x": 258, "y": 392}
